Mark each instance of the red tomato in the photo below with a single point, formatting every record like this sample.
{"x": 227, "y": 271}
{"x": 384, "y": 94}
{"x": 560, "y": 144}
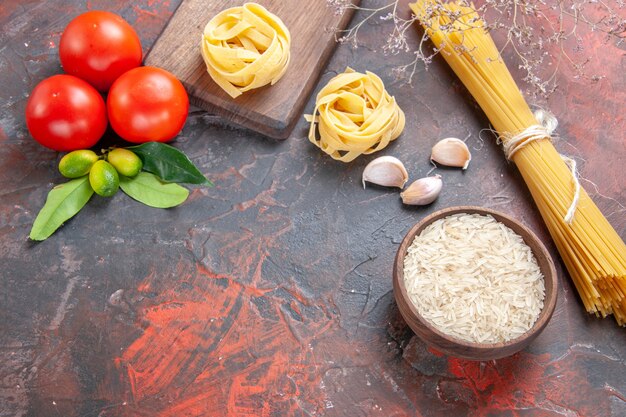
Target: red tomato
{"x": 65, "y": 113}
{"x": 147, "y": 104}
{"x": 98, "y": 47}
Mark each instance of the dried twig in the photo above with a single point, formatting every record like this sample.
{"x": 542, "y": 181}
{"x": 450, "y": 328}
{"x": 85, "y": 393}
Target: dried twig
{"x": 542, "y": 33}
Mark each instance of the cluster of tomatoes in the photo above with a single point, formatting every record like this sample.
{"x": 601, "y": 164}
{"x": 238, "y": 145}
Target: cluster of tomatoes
{"x": 101, "y": 53}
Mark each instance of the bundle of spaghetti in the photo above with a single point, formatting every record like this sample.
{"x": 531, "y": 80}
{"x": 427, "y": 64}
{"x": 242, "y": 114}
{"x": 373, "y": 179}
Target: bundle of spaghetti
{"x": 593, "y": 252}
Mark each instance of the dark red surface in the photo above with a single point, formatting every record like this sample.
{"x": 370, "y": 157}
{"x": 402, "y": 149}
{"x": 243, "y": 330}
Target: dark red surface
{"x": 270, "y": 294}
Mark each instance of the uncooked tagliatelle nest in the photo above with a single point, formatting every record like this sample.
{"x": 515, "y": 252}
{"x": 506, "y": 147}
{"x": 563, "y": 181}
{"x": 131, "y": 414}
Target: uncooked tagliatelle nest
{"x": 355, "y": 115}
{"x": 245, "y": 47}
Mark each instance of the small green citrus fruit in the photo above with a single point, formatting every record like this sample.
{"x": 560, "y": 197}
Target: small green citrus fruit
{"x": 125, "y": 162}
{"x": 77, "y": 163}
{"x": 104, "y": 179}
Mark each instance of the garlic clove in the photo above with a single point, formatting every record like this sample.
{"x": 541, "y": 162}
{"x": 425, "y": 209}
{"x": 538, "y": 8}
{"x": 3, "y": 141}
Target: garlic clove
{"x": 423, "y": 191}
{"x": 451, "y": 152}
{"x": 386, "y": 171}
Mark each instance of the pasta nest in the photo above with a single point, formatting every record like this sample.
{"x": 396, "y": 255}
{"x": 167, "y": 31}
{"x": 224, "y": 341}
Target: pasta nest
{"x": 245, "y": 47}
{"x": 355, "y": 115}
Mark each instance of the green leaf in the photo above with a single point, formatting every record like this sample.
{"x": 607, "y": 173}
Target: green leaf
{"x": 147, "y": 188}
{"x": 63, "y": 202}
{"x": 169, "y": 164}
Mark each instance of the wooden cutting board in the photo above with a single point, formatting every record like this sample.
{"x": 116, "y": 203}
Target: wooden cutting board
{"x": 270, "y": 110}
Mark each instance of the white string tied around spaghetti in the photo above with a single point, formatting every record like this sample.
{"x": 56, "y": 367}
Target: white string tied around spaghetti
{"x": 548, "y": 124}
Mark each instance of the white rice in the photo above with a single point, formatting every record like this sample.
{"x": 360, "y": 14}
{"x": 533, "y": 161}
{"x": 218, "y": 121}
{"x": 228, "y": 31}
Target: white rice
{"x": 473, "y": 278}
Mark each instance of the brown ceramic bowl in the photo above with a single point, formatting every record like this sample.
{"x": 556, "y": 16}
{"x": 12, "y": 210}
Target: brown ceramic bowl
{"x": 459, "y": 348}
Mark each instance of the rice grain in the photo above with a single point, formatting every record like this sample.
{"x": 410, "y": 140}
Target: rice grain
{"x": 474, "y": 279}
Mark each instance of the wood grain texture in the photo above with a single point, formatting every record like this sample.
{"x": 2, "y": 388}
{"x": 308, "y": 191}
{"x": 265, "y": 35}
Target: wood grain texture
{"x": 270, "y": 110}
{"x": 456, "y": 347}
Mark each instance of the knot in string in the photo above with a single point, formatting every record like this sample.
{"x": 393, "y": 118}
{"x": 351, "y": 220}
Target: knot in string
{"x": 547, "y": 125}
{"x": 513, "y": 143}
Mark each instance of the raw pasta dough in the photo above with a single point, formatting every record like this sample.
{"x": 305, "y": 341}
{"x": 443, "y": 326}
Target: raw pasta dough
{"x": 356, "y": 116}
{"x": 245, "y": 47}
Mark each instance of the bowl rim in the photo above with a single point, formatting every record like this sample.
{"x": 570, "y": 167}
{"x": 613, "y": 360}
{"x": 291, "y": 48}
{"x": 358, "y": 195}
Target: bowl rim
{"x": 528, "y": 236}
